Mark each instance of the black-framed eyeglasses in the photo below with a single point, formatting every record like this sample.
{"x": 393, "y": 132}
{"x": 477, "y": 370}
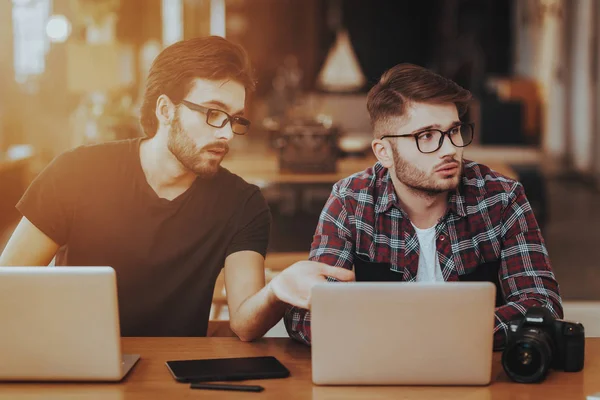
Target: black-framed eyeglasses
{"x": 431, "y": 140}
{"x": 219, "y": 118}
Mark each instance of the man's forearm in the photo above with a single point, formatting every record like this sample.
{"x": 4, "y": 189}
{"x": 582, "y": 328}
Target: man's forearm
{"x": 256, "y": 315}
{"x": 513, "y": 311}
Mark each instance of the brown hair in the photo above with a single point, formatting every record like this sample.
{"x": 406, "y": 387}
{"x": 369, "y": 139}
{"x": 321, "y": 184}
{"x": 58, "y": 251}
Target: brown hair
{"x": 407, "y": 83}
{"x": 175, "y": 68}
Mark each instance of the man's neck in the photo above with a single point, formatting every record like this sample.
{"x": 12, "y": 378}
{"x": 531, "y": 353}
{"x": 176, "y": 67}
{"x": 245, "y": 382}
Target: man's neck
{"x": 164, "y": 173}
{"x": 424, "y": 209}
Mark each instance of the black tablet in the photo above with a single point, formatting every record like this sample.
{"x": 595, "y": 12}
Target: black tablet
{"x": 227, "y": 369}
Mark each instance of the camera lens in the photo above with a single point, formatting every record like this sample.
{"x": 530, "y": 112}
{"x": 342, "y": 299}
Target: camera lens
{"x": 528, "y": 358}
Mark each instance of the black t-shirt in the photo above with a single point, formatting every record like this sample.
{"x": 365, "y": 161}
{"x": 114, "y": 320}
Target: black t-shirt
{"x": 95, "y": 202}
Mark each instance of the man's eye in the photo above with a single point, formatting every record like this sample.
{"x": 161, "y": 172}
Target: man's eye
{"x": 425, "y": 136}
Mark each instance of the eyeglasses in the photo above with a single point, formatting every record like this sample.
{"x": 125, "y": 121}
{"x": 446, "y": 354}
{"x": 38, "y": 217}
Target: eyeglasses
{"x": 431, "y": 140}
{"x": 219, "y": 118}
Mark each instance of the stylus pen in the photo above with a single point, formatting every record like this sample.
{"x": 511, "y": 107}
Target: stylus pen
{"x": 223, "y": 386}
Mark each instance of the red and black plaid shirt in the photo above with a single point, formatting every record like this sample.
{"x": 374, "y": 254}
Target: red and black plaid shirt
{"x": 489, "y": 220}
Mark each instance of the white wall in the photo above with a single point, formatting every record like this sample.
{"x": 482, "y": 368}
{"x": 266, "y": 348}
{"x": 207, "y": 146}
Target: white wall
{"x": 526, "y": 32}
{"x": 540, "y": 54}
{"x": 559, "y": 54}
{"x": 553, "y": 67}
{"x": 596, "y": 135}
{"x": 582, "y": 88}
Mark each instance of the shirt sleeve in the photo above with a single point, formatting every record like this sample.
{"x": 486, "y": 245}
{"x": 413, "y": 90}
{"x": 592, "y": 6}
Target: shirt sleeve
{"x": 49, "y": 202}
{"x": 253, "y": 226}
{"x": 525, "y": 274}
{"x": 332, "y": 244}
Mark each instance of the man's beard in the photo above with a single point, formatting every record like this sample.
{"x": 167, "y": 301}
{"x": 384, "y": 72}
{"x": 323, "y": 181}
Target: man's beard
{"x": 195, "y": 159}
{"x": 419, "y": 181}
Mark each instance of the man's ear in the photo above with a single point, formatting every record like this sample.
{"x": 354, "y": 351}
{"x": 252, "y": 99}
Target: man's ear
{"x": 383, "y": 151}
{"x": 165, "y": 110}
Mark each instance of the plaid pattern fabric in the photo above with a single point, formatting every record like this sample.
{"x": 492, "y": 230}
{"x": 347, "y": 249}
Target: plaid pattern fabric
{"x": 488, "y": 220}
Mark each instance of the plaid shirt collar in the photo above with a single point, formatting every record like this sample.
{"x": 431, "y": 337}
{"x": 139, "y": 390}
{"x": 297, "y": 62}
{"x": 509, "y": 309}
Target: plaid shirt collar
{"x": 388, "y": 198}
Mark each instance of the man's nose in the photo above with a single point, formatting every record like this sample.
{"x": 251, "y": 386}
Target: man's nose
{"x": 448, "y": 149}
{"x": 225, "y": 132}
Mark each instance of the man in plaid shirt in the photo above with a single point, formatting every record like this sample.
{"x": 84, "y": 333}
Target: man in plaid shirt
{"x": 423, "y": 214}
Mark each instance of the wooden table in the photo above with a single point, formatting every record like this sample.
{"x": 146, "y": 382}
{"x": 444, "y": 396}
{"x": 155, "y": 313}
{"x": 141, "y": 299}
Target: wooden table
{"x": 261, "y": 167}
{"x": 150, "y": 378}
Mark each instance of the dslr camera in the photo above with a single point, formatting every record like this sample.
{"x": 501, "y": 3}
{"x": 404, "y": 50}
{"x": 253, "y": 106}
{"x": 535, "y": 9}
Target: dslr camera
{"x": 539, "y": 342}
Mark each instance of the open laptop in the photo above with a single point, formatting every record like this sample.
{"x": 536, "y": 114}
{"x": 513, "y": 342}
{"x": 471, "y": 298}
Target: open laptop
{"x": 60, "y": 324}
{"x": 392, "y": 333}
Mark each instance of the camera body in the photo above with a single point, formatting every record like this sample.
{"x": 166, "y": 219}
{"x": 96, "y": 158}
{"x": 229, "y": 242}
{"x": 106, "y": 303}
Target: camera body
{"x": 539, "y": 342}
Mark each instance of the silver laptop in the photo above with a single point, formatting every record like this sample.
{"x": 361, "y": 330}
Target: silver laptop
{"x": 60, "y": 324}
{"x": 384, "y": 333}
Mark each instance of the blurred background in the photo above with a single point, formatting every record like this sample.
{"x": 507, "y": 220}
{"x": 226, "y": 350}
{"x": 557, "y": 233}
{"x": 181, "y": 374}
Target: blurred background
{"x": 72, "y": 72}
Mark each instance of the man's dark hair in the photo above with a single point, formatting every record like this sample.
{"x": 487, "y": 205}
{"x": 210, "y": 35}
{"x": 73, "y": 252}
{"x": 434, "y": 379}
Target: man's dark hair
{"x": 408, "y": 83}
{"x": 174, "y": 69}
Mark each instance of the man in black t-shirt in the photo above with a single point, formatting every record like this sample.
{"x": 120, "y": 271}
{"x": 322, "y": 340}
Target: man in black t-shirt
{"x": 162, "y": 211}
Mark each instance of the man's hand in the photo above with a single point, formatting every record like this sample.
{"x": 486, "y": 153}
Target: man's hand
{"x": 293, "y": 285}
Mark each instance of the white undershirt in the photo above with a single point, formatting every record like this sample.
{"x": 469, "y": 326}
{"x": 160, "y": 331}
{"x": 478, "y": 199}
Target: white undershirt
{"x": 429, "y": 263}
